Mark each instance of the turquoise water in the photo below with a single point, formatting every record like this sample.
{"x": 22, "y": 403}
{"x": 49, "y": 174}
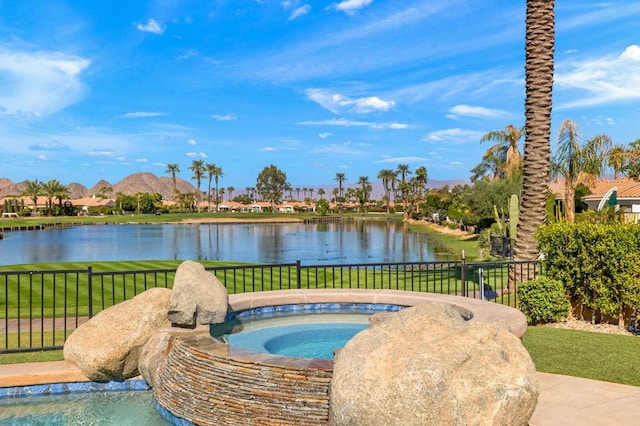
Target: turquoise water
{"x": 314, "y": 340}
{"x": 110, "y": 408}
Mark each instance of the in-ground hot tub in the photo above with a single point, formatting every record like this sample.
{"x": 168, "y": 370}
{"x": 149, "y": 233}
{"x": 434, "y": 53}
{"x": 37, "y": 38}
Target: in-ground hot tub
{"x": 207, "y": 381}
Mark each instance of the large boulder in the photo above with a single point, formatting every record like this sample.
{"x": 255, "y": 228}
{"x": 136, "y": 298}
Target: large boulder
{"x": 198, "y": 297}
{"x": 426, "y": 365}
{"x": 107, "y": 347}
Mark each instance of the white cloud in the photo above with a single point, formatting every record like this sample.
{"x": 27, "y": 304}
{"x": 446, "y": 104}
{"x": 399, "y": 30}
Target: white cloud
{"x": 301, "y": 11}
{"x": 42, "y": 157}
{"x": 39, "y": 83}
{"x": 224, "y": 117}
{"x": 401, "y": 160}
{"x": 101, "y": 153}
{"x": 152, "y": 26}
{"x": 50, "y": 146}
{"x": 341, "y": 149}
{"x": 325, "y": 135}
{"x": 600, "y": 81}
{"x": 456, "y": 163}
{"x": 454, "y": 136}
{"x": 459, "y": 111}
{"x": 336, "y": 103}
{"x": 268, "y": 149}
{"x": 143, "y": 114}
{"x": 350, "y": 7}
{"x": 141, "y": 160}
{"x": 351, "y": 123}
{"x": 194, "y": 154}
{"x": 192, "y": 142}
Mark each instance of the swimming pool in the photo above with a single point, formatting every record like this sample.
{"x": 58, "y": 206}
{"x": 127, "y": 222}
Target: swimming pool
{"x": 86, "y": 403}
{"x": 312, "y": 330}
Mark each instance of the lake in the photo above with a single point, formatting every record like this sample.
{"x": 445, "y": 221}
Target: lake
{"x": 348, "y": 241}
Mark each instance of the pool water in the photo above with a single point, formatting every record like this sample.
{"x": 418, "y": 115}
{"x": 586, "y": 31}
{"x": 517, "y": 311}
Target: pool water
{"x": 107, "y": 408}
{"x": 308, "y": 340}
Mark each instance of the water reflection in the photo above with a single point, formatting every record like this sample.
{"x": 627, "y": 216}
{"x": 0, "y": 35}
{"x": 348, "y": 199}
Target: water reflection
{"x": 352, "y": 241}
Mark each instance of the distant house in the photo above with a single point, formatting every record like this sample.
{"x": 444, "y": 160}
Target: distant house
{"x": 627, "y": 196}
{"x": 87, "y": 203}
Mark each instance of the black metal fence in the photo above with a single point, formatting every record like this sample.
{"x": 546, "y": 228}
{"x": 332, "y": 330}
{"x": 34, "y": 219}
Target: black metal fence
{"x": 39, "y": 309}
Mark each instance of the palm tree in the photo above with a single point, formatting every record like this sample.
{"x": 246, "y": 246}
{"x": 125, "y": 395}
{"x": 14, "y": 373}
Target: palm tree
{"x": 422, "y": 178}
{"x": 365, "y": 188}
{"x": 403, "y": 171}
{"x": 311, "y": 193}
{"x": 54, "y": 189}
{"x": 33, "y": 190}
{"x": 48, "y": 189}
{"x": 321, "y": 193}
{"x": 297, "y": 194}
{"x": 505, "y": 151}
{"x": 617, "y": 159}
{"x": 217, "y": 174}
{"x": 340, "y": 178}
{"x": 213, "y": 171}
{"x": 387, "y": 176}
{"x": 172, "y": 169}
{"x": 539, "y": 50}
{"x": 230, "y": 190}
{"x": 577, "y": 164}
{"x": 197, "y": 167}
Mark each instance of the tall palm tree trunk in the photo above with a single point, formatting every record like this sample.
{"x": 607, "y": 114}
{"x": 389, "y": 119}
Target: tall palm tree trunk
{"x": 539, "y": 64}
{"x": 540, "y": 39}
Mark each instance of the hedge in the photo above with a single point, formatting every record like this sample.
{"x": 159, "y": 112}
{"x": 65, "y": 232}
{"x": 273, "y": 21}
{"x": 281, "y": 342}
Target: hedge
{"x": 599, "y": 264}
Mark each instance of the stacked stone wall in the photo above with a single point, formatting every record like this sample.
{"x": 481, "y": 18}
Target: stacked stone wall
{"x": 206, "y": 382}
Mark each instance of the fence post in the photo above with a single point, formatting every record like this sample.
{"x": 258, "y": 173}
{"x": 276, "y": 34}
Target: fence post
{"x": 298, "y": 275}
{"x": 90, "y": 290}
{"x": 463, "y": 276}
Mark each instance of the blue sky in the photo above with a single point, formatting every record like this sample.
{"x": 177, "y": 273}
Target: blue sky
{"x": 95, "y": 90}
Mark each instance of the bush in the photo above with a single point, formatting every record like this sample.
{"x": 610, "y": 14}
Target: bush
{"x": 543, "y": 300}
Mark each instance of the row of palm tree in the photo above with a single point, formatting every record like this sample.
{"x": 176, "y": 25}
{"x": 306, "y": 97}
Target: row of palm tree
{"x": 50, "y": 189}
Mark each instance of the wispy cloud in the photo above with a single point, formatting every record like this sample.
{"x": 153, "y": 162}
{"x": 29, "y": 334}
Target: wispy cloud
{"x": 39, "y": 83}
{"x": 460, "y": 111}
{"x": 143, "y": 114}
{"x": 50, "y": 146}
{"x": 346, "y": 148}
{"x": 325, "y": 135}
{"x": 224, "y": 117}
{"x": 351, "y": 123}
{"x": 194, "y": 154}
{"x": 192, "y": 142}
{"x": 152, "y": 26}
{"x": 300, "y": 11}
{"x": 337, "y": 103}
{"x": 453, "y": 136}
{"x": 268, "y": 149}
{"x": 102, "y": 153}
{"x": 350, "y": 7}
{"x": 600, "y": 81}
{"x": 403, "y": 160}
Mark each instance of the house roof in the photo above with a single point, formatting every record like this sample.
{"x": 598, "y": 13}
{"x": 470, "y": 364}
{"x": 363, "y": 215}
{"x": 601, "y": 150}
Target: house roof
{"x": 627, "y": 189}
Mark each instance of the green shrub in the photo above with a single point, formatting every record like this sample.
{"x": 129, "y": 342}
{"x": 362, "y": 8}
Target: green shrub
{"x": 598, "y": 263}
{"x": 543, "y": 300}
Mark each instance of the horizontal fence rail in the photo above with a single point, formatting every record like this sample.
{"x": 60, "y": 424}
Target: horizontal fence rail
{"x": 39, "y": 309}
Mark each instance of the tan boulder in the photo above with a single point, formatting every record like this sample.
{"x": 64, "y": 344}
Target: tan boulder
{"x": 107, "y": 346}
{"x": 425, "y": 365}
{"x": 198, "y": 297}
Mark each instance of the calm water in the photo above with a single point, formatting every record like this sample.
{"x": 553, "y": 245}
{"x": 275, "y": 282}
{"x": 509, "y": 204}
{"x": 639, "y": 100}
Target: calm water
{"x": 352, "y": 241}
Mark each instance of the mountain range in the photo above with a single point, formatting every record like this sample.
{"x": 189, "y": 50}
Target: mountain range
{"x": 148, "y": 182}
